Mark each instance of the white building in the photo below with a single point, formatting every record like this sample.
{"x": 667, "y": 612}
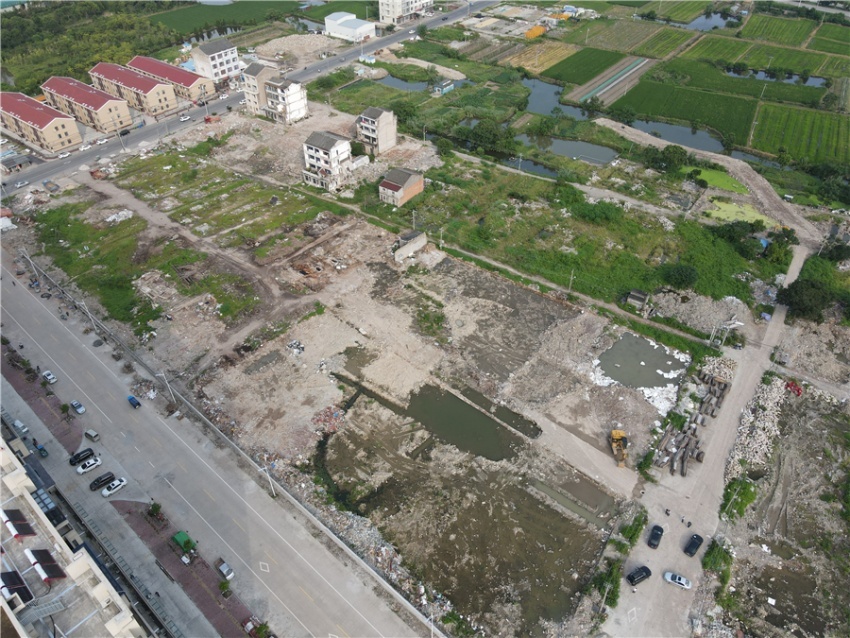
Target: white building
{"x": 217, "y": 60}
{"x": 348, "y": 27}
{"x": 401, "y": 11}
{"x": 327, "y": 160}
{"x": 286, "y": 101}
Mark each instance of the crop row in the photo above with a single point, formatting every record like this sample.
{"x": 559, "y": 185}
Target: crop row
{"x": 805, "y": 133}
{"x": 583, "y": 66}
{"x": 663, "y": 43}
{"x": 792, "y": 32}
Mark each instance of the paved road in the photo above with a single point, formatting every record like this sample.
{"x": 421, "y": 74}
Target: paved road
{"x": 284, "y": 571}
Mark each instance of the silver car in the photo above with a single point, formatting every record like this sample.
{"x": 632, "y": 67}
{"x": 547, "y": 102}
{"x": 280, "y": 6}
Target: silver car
{"x": 675, "y": 579}
{"x": 113, "y": 487}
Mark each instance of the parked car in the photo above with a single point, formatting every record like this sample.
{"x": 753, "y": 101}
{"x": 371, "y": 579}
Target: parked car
{"x": 100, "y": 481}
{"x": 655, "y": 536}
{"x": 444, "y": 18}
{"x": 241, "y": 102}
{"x": 88, "y": 466}
{"x": 223, "y": 96}
{"x": 134, "y": 402}
{"x": 693, "y": 545}
{"x": 200, "y": 103}
{"x": 92, "y": 435}
{"x": 48, "y": 376}
{"x": 85, "y": 147}
{"x": 113, "y": 487}
{"x": 21, "y": 184}
{"x": 102, "y": 140}
{"x": 185, "y": 118}
{"x": 639, "y": 575}
{"x": 124, "y": 132}
{"x": 63, "y": 155}
{"x": 225, "y": 570}
{"x": 78, "y": 407}
{"x": 20, "y": 428}
{"x": 412, "y": 31}
{"x": 675, "y": 579}
{"x": 81, "y": 456}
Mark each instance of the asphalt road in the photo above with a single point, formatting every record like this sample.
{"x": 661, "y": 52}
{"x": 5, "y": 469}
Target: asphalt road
{"x": 282, "y": 570}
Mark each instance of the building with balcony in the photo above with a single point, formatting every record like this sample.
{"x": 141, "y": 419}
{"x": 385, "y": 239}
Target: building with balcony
{"x": 400, "y": 185}
{"x": 187, "y": 85}
{"x": 347, "y": 26}
{"x": 141, "y": 92}
{"x": 327, "y": 160}
{"x": 286, "y": 101}
{"x": 38, "y": 124}
{"x": 217, "y": 60}
{"x": 88, "y": 105}
{"x": 377, "y": 129}
{"x": 401, "y": 11}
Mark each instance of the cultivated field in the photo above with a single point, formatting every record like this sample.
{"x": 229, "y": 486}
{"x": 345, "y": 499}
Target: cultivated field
{"x": 197, "y": 16}
{"x": 583, "y": 66}
{"x": 835, "y": 32}
{"x": 836, "y": 67}
{"x": 778, "y": 30}
{"x": 679, "y": 11}
{"x": 624, "y": 35}
{"x": 715, "y": 47}
{"x": 663, "y": 43}
{"x": 828, "y": 46}
{"x": 762, "y": 55}
{"x": 542, "y": 55}
{"x": 724, "y": 113}
{"x": 814, "y": 135}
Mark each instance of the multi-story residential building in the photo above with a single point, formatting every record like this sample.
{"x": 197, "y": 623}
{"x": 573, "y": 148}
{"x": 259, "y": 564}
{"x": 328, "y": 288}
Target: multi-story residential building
{"x": 91, "y": 106}
{"x": 48, "y": 588}
{"x": 141, "y": 92}
{"x": 400, "y": 185}
{"x": 286, "y": 101}
{"x": 327, "y": 160}
{"x": 253, "y": 81}
{"x": 37, "y": 123}
{"x": 217, "y": 60}
{"x": 187, "y": 85}
{"x": 401, "y": 11}
{"x": 377, "y": 129}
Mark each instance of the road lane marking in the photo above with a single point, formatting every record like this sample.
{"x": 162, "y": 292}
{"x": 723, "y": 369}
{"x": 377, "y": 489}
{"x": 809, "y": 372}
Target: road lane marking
{"x": 344, "y": 632}
{"x": 182, "y": 467}
{"x": 306, "y": 594}
{"x": 124, "y": 435}
{"x": 91, "y": 376}
{"x": 137, "y": 449}
{"x": 152, "y": 465}
{"x": 271, "y": 558}
{"x": 71, "y": 355}
{"x": 237, "y": 523}
{"x": 212, "y": 498}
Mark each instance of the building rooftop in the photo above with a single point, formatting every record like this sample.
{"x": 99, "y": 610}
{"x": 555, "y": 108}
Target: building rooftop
{"x": 340, "y": 16}
{"x": 324, "y": 140}
{"x": 373, "y": 112}
{"x": 118, "y": 74}
{"x": 31, "y": 111}
{"x": 174, "y": 74}
{"x": 216, "y": 46}
{"x": 255, "y": 68}
{"x": 399, "y": 178}
{"x": 78, "y": 92}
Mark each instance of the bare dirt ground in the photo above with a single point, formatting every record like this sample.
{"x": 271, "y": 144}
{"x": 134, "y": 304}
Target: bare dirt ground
{"x": 300, "y": 50}
{"x": 388, "y": 55}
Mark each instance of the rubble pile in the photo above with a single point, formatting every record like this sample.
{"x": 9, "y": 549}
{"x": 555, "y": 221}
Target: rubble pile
{"x": 719, "y": 367}
{"x": 759, "y": 428}
{"x": 329, "y": 420}
{"x": 696, "y": 311}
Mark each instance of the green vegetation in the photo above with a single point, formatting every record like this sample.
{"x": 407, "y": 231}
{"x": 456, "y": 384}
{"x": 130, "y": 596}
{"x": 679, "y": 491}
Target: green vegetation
{"x": 663, "y": 43}
{"x": 717, "y": 179}
{"x": 716, "y": 47}
{"x": 199, "y": 18}
{"x": 461, "y": 626}
{"x": 727, "y": 114}
{"x": 738, "y": 495}
{"x": 718, "y": 560}
{"x": 827, "y": 46}
{"x": 819, "y": 286}
{"x": 763, "y": 56}
{"x": 357, "y": 7}
{"x": 632, "y": 531}
{"x": 620, "y": 35}
{"x": 583, "y": 66}
{"x": 834, "y": 32}
{"x": 607, "y": 582}
{"x": 836, "y": 67}
{"x": 446, "y": 56}
{"x": 792, "y": 32}
{"x": 804, "y": 133}
{"x": 684, "y": 11}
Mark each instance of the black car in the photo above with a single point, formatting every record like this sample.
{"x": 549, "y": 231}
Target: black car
{"x": 693, "y": 545}
{"x": 81, "y": 456}
{"x": 124, "y": 132}
{"x": 101, "y": 481}
{"x": 639, "y": 575}
{"x": 655, "y": 536}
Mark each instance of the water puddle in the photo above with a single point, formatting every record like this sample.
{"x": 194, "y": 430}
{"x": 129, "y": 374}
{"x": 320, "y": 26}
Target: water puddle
{"x": 704, "y": 23}
{"x": 516, "y": 421}
{"x": 791, "y": 79}
{"x": 592, "y": 153}
{"x": 570, "y": 500}
{"x": 681, "y": 135}
{"x": 796, "y": 601}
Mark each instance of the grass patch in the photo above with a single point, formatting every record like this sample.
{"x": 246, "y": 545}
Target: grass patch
{"x": 732, "y": 212}
{"x": 198, "y": 17}
{"x": 718, "y": 560}
{"x": 716, "y": 47}
{"x": 583, "y": 66}
{"x": 835, "y": 32}
{"x": 718, "y": 179}
{"x": 827, "y": 46}
{"x": 663, "y": 43}
{"x": 633, "y": 530}
{"x": 807, "y": 134}
{"x": 607, "y": 582}
{"x": 835, "y": 67}
{"x": 789, "y": 31}
{"x": 738, "y": 495}
{"x": 761, "y": 55}
{"x": 684, "y": 11}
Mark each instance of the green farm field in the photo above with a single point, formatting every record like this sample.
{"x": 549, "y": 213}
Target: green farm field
{"x": 663, "y": 43}
{"x": 718, "y": 179}
{"x": 779, "y": 30}
{"x": 834, "y": 32}
{"x": 814, "y": 135}
{"x": 624, "y": 35}
{"x": 715, "y": 47}
{"x": 190, "y": 19}
{"x": 320, "y": 12}
{"x": 828, "y": 46}
{"x": 836, "y": 67}
{"x": 724, "y": 113}
{"x": 762, "y": 55}
{"x": 583, "y": 66}
{"x": 702, "y": 75}
{"x": 684, "y": 11}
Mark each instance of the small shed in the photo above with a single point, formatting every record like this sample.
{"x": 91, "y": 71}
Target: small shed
{"x": 408, "y": 244}
{"x": 638, "y": 299}
{"x": 443, "y": 87}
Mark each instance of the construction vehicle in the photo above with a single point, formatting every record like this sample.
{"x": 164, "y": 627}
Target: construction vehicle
{"x": 619, "y": 443}
{"x": 209, "y": 119}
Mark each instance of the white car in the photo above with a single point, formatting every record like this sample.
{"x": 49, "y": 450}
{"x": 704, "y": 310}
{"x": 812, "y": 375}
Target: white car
{"x": 185, "y": 118}
{"x": 241, "y": 101}
{"x": 21, "y": 184}
{"x": 85, "y": 147}
{"x": 88, "y": 466}
{"x": 49, "y": 377}
{"x": 113, "y": 487}
{"x": 223, "y": 96}
{"x": 63, "y": 155}
{"x": 102, "y": 140}
{"x": 675, "y": 579}
{"x": 78, "y": 407}
{"x": 412, "y": 31}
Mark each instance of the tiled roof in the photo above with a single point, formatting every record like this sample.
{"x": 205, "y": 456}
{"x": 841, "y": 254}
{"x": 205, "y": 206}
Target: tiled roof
{"x": 216, "y": 46}
{"x": 399, "y": 176}
{"x": 373, "y": 112}
{"x": 125, "y": 77}
{"x": 254, "y": 69}
{"x": 78, "y": 92}
{"x": 160, "y": 69}
{"x": 324, "y": 140}
{"x": 29, "y": 110}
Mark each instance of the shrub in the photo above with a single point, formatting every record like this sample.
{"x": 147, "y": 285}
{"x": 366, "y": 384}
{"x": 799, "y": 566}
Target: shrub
{"x": 737, "y": 496}
{"x": 632, "y": 531}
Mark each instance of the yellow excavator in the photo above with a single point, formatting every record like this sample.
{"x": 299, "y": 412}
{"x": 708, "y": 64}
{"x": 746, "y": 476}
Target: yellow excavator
{"x": 619, "y": 443}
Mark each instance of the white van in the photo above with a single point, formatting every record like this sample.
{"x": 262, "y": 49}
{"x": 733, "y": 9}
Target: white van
{"x": 92, "y": 435}
{"x": 20, "y": 427}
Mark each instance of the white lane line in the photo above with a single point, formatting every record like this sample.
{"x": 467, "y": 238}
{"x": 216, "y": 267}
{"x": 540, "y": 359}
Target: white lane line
{"x": 152, "y": 465}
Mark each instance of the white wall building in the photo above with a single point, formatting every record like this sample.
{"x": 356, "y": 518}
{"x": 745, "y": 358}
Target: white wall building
{"x": 401, "y": 11}
{"x": 348, "y": 27}
{"x": 286, "y": 101}
{"x": 327, "y": 160}
{"x": 217, "y": 60}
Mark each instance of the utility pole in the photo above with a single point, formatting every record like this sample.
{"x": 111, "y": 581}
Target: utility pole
{"x": 423, "y": 132}
{"x": 441, "y": 238}
{"x": 162, "y": 375}
{"x": 519, "y": 162}
{"x": 572, "y": 274}
{"x": 271, "y": 485}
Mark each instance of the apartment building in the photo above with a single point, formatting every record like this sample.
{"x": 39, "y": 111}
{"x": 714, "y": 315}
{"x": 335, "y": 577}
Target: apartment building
{"x": 187, "y": 85}
{"x": 253, "y": 81}
{"x": 401, "y": 11}
{"x": 141, "y": 92}
{"x": 286, "y": 101}
{"x": 327, "y": 160}
{"x": 38, "y": 124}
{"x": 217, "y": 60}
{"x": 378, "y": 129}
{"x": 400, "y": 185}
{"x": 48, "y": 588}
{"x": 88, "y": 105}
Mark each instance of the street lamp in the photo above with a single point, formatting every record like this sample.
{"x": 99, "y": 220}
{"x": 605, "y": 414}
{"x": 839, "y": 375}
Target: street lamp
{"x": 162, "y": 376}
{"x": 271, "y": 484}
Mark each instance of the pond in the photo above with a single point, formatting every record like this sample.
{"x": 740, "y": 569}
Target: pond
{"x": 403, "y": 84}
{"x": 545, "y": 97}
{"x": 703, "y": 23}
{"x": 584, "y": 151}
{"x": 307, "y": 25}
{"x": 637, "y": 362}
{"x": 212, "y": 34}
{"x": 791, "y": 79}
{"x": 682, "y": 135}
{"x": 749, "y": 157}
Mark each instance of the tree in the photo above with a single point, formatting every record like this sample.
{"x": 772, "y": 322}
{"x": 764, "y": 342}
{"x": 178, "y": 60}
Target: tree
{"x": 675, "y": 157}
{"x": 680, "y": 276}
{"x": 830, "y": 101}
{"x": 807, "y": 298}
{"x": 422, "y": 30}
{"x": 624, "y": 114}
{"x": 432, "y": 74}
{"x": 592, "y": 107}
{"x": 404, "y": 110}
{"x": 444, "y": 147}
{"x": 358, "y": 149}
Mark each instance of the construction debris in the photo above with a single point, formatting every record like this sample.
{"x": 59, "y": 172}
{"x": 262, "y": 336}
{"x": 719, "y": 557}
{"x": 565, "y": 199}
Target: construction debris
{"x": 758, "y": 430}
